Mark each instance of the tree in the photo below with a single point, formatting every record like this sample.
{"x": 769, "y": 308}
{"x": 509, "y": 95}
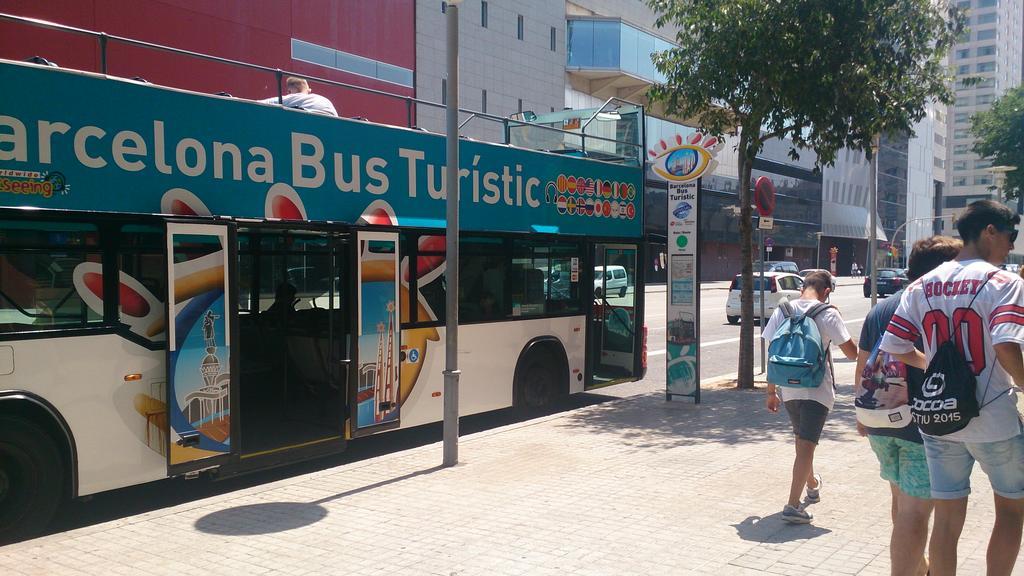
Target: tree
{"x": 1000, "y": 137}
{"x": 825, "y": 74}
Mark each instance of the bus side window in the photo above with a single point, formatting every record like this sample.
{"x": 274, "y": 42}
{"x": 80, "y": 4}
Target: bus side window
{"x": 142, "y": 280}
{"x": 50, "y": 275}
{"x": 425, "y": 266}
{"x": 482, "y": 293}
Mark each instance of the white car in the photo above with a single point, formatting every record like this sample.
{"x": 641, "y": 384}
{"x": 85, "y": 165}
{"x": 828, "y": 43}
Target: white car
{"x": 612, "y": 279}
{"x": 778, "y": 285}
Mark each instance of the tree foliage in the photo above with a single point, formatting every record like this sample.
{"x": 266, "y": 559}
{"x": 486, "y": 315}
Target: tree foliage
{"x": 825, "y": 74}
{"x": 1000, "y": 137}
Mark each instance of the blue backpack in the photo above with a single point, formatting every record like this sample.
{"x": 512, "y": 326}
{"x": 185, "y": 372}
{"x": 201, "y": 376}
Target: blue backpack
{"x": 796, "y": 357}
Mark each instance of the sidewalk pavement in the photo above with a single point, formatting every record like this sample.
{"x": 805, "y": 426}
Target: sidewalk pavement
{"x": 631, "y": 486}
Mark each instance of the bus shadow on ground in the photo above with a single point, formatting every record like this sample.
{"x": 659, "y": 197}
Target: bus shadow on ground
{"x": 143, "y": 498}
{"x": 272, "y": 517}
{"x": 724, "y": 416}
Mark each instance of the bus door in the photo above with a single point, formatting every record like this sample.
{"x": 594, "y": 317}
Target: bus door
{"x": 612, "y": 332}
{"x": 200, "y": 362}
{"x": 374, "y": 399}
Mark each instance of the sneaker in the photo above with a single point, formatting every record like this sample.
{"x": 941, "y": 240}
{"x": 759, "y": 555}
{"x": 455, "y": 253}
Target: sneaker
{"x": 795, "y": 515}
{"x": 814, "y": 494}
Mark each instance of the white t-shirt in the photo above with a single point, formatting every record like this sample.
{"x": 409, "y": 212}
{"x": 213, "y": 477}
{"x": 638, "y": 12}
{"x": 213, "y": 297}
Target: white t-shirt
{"x": 832, "y": 329}
{"x": 996, "y": 316}
{"x": 311, "y": 102}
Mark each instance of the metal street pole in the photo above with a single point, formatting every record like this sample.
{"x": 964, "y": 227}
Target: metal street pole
{"x": 760, "y": 283}
{"x": 873, "y": 208}
{"x": 896, "y": 234}
{"x": 451, "y": 272}
{"x": 817, "y": 251}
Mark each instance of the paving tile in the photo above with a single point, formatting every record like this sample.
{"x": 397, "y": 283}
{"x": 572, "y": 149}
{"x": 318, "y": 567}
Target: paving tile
{"x": 629, "y": 487}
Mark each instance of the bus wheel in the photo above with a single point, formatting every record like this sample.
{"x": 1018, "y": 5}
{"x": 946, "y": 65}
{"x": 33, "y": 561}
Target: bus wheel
{"x": 537, "y": 380}
{"x": 31, "y": 478}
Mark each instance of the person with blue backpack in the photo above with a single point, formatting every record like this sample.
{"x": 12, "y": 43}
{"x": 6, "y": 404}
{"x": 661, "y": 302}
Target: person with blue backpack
{"x": 800, "y": 376}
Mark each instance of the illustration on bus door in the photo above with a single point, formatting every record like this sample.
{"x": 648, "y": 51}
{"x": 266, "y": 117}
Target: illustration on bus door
{"x": 199, "y": 343}
{"x": 377, "y": 392}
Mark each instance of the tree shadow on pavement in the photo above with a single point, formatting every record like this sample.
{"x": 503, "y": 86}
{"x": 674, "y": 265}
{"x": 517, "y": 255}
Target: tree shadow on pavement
{"x": 774, "y": 530}
{"x": 724, "y": 416}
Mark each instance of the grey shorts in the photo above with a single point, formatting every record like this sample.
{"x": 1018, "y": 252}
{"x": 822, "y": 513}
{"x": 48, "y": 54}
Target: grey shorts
{"x": 808, "y": 418}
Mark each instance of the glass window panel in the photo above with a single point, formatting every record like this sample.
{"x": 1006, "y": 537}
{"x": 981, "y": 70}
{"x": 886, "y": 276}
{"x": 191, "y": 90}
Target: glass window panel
{"x": 394, "y": 74}
{"x": 645, "y": 47}
{"x": 426, "y": 266}
{"x": 659, "y": 46}
{"x": 629, "y": 55}
{"x": 312, "y": 53}
{"x": 486, "y": 285}
{"x": 987, "y": 34}
{"x": 581, "y": 43}
{"x": 38, "y": 264}
{"x": 141, "y": 258}
{"x": 356, "y": 64}
{"x": 606, "y": 44}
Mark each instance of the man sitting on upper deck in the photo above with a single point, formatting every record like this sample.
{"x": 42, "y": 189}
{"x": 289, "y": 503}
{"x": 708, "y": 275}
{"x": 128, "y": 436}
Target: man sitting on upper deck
{"x": 301, "y": 96}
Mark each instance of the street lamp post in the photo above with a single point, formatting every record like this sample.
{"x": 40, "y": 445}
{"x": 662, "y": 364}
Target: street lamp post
{"x": 451, "y": 272}
{"x": 817, "y": 251}
{"x": 1000, "y": 179}
{"x": 896, "y": 234}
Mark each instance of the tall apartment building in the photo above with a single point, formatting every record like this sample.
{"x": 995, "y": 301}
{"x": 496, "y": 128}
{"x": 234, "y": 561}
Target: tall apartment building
{"x": 511, "y": 59}
{"x": 911, "y": 176}
{"x": 990, "y": 52}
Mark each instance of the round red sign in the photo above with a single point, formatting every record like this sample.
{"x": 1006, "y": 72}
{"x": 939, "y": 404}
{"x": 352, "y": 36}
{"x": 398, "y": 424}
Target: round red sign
{"x": 764, "y": 196}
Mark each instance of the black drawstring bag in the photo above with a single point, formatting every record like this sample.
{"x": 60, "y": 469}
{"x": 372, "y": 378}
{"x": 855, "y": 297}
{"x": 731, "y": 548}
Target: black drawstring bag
{"x": 946, "y": 399}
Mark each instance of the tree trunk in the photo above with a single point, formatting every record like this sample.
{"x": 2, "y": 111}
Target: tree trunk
{"x": 745, "y": 370}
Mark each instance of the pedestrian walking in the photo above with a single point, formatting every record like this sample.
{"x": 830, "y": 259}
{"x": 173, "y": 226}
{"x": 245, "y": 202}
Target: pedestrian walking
{"x": 971, "y": 316}
{"x": 800, "y": 376}
{"x": 883, "y": 415}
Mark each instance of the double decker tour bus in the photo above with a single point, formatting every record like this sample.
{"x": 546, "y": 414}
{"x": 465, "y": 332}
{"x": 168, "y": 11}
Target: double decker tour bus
{"x": 193, "y": 282}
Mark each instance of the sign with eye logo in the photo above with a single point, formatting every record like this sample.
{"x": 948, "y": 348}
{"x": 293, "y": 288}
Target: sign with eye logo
{"x": 681, "y": 164}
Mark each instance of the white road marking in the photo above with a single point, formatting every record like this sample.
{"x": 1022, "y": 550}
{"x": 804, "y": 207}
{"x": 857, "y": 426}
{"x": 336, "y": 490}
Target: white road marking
{"x": 731, "y": 340}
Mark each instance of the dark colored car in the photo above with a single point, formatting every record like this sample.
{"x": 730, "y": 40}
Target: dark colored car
{"x": 890, "y": 281}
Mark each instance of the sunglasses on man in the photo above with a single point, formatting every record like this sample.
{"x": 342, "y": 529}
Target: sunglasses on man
{"x": 1011, "y": 231}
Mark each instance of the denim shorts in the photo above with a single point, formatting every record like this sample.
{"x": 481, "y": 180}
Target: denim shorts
{"x": 808, "y": 418}
{"x": 904, "y": 464}
{"x": 950, "y": 464}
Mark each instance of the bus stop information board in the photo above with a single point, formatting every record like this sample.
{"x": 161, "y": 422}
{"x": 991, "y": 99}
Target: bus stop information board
{"x": 681, "y": 167}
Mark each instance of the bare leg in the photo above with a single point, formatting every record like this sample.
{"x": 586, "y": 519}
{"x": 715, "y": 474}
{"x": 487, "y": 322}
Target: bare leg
{"x": 949, "y": 523}
{"x": 1005, "y": 541}
{"x": 909, "y": 534}
{"x": 803, "y": 470}
{"x": 895, "y": 507}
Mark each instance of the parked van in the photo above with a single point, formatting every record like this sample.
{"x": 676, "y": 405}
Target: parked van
{"x": 610, "y": 278}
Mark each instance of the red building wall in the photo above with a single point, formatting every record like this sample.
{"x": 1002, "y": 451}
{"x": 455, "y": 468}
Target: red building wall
{"x": 253, "y": 31}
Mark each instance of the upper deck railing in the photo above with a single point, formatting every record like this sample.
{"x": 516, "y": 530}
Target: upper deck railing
{"x": 569, "y": 139}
